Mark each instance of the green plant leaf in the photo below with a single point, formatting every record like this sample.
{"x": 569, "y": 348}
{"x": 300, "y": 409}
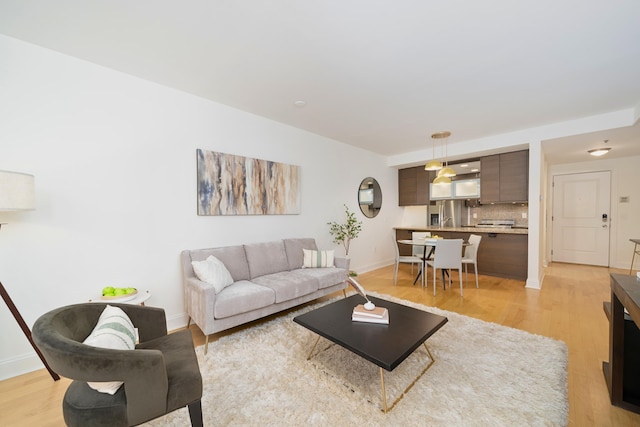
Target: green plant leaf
{"x": 344, "y": 233}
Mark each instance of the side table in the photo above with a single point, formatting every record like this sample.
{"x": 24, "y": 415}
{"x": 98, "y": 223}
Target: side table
{"x": 140, "y": 298}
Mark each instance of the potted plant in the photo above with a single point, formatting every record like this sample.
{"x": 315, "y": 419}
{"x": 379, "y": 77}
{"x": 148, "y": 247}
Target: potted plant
{"x": 344, "y": 233}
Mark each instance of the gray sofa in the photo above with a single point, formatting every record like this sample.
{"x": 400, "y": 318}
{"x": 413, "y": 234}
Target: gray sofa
{"x": 268, "y": 278}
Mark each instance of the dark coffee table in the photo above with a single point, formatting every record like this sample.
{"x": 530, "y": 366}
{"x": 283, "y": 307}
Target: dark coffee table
{"x": 385, "y": 345}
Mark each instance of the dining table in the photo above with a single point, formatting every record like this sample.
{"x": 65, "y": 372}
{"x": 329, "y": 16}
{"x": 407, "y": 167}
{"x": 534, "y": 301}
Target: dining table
{"x": 431, "y": 243}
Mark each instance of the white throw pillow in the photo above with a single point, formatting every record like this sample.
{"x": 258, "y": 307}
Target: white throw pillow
{"x": 314, "y": 259}
{"x": 213, "y": 271}
{"x": 115, "y": 331}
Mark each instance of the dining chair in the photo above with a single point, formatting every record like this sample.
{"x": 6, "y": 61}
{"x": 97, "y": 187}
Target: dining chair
{"x": 419, "y": 235}
{"x": 448, "y": 256}
{"x": 421, "y": 251}
{"x": 471, "y": 256}
{"x": 409, "y": 259}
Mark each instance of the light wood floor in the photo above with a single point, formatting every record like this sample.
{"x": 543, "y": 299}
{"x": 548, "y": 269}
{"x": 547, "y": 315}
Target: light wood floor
{"x": 568, "y": 308}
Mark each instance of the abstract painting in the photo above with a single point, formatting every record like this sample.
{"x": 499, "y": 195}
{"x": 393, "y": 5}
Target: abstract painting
{"x": 237, "y": 185}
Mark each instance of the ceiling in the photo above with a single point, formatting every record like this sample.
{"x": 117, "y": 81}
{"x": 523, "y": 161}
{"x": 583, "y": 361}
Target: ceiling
{"x": 380, "y": 75}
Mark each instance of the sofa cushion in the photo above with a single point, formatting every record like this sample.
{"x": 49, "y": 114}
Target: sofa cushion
{"x": 294, "y": 247}
{"x": 288, "y": 285}
{"x": 242, "y": 297}
{"x": 317, "y": 259}
{"x": 214, "y": 272}
{"x": 233, "y": 257}
{"x": 266, "y": 258}
{"x": 326, "y": 276}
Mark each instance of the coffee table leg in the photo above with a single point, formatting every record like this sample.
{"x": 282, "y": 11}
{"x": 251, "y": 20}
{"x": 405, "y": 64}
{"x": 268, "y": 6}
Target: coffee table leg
{"x": 384, "y": 393}
{"x": 313, "y": 348}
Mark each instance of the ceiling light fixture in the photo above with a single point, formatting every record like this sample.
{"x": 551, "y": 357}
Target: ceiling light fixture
{"x": 300, "y": 104}
{"x": 442, "y": 180}
{"x": 599, "y": 151}
{"x": 433, "y": 164}
{"x": 444, "y": 174}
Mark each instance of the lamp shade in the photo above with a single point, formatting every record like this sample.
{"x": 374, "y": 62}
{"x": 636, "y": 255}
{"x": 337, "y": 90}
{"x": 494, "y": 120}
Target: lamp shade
{"x": 442, "y": 180}
{"x": 447, "y": 171}
{"x": 433, "y": 165}
{"x": 17, "y": 191}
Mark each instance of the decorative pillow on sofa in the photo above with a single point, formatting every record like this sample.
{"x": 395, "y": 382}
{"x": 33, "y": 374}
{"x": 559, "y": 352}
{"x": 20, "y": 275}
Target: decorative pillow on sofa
{"x": 115, "y": 331}
{"x": 314, "y": 259}
{"x": 214, "y": 272}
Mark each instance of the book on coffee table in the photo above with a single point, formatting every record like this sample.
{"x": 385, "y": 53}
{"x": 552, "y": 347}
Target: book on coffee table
{"x": 376, "y": 312}
{"x": 377, "y": 315}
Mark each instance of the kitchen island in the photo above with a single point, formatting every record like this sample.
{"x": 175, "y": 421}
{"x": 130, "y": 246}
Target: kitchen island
{"x": 503, "y": 251}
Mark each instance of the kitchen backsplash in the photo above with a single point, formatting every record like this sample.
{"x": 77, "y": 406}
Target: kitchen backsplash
{"x": 501, "y": 211}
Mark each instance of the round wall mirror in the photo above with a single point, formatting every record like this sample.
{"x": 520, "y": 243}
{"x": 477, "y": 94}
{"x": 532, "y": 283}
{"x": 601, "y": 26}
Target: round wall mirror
{"x": 370, "y": 197}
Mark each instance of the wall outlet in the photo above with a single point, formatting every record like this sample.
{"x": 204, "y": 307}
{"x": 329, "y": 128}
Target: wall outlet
{"x": 475, "y": 215}
{"x": 524, "y": 215}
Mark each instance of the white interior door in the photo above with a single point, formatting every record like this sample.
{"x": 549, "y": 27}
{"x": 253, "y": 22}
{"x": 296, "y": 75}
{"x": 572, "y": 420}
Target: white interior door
{"x": 581, "y": 216}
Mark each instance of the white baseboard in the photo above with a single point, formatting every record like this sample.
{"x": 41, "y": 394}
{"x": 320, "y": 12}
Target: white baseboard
{"x": 19, "y": 365}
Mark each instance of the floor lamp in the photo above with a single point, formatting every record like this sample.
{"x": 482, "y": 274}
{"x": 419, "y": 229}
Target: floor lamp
{"x": 17, "y": 193}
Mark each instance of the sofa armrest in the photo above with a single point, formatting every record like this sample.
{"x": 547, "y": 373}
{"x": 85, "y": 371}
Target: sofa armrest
{"x": 200, "y": 299}
{"x": 341, "y": 262}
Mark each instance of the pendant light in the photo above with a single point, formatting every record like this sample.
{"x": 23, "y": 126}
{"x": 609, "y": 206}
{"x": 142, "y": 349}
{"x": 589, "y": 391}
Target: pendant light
{"x": 444, "y": 174}
{"x": 442, "y": 180}
{"x": 433, "y": 164}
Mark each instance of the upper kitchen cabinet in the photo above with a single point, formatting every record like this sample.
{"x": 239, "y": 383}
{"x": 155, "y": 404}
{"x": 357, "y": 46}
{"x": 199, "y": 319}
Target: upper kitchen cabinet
{"x": 413, "y": 186}
{"x": 457, "y": 189}
{"x": 505, "y": 177}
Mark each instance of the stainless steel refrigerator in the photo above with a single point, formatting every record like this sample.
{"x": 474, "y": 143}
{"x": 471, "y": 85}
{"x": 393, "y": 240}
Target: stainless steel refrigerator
{"x": 446, "y": 213}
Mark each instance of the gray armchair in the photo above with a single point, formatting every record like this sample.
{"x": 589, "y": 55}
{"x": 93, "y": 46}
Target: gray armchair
{"x": 160, "y": 375}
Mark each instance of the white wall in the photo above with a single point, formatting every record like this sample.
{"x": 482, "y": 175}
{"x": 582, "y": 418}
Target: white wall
{"x": 625, "y": 176}
{"x": 115, "y": 167}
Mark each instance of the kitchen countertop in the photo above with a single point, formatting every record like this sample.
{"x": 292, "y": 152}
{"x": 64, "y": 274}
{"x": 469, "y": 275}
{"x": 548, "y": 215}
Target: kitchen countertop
{"x": 470, "y": 229}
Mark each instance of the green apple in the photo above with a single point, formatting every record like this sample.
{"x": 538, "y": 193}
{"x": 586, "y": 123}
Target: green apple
{"x": 130, "y": 290}
{"x": 108, "y": 290}
{"x": 120, "y": 291}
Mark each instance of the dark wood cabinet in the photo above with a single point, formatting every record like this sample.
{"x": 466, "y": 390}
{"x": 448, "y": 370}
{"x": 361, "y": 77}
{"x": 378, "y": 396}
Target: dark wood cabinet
{"x": 503, "y": 255}
{"x": 514, "y": 176}
{"x": 490, "y": 179}
{"x": 505, "y": 177}
{"x": 413, "y": 186}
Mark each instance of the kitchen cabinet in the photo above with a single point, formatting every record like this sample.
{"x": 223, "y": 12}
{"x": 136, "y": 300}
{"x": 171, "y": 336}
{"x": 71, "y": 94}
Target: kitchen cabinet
{"x": 505, "y": 177}
{"x": 413, "y": 186}
{"x": 466, "y": 188}
{"x": 503, "y": 255}
{"x": 440, "y": 191}
{"x": 460, "y": 189}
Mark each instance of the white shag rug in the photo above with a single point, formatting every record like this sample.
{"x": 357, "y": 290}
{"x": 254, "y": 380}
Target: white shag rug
{"x": 484, "y": 375}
